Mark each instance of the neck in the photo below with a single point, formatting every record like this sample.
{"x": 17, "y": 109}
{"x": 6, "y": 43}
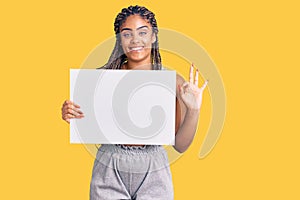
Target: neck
{"x": 137, "y": 66}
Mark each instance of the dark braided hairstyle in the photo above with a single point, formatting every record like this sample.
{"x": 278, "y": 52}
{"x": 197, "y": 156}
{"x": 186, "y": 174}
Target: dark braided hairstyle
{"x": 117, "y": 57}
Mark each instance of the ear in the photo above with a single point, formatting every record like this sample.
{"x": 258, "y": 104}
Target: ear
{"x": 153, "y": 39}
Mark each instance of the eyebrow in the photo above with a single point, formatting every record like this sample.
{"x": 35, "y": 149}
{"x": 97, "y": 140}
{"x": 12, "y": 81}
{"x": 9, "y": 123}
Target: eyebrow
{"x": 123, "y": 29}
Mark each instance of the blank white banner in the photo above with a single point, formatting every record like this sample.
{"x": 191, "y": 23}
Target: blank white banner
{"x": 123, "y": 106}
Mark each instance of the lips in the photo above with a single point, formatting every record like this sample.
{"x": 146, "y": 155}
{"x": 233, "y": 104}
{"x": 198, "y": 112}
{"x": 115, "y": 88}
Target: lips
{"x": 136, "y": 48}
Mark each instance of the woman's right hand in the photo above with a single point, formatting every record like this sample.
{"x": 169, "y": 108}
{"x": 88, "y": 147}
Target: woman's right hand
{"x": 71, "y": 110}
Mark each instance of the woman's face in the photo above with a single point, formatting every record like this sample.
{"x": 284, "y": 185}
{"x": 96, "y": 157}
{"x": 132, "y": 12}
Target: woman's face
{"x": 136, "y": 39}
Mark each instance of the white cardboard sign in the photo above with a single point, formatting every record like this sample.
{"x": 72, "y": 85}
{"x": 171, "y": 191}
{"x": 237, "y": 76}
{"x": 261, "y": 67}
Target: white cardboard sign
{"x": 123, "y": 106}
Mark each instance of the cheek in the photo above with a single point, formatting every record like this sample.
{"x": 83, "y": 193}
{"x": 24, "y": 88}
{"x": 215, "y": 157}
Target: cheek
{"x": 124, "y": 45}
{"x": 147, "y": 42}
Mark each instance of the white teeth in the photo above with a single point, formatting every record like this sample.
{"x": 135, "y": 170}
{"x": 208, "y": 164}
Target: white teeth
{"x": 136, "y": 48}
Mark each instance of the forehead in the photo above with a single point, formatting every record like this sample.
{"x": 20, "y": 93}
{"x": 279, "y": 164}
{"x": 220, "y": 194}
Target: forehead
{"x": 135, "y": 21}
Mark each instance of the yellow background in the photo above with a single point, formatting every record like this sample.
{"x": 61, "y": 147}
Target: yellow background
{"x": 255, "y": 45}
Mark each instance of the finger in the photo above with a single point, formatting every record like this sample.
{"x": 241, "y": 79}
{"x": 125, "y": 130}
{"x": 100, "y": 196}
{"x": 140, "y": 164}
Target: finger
{"x": 68, "y": 116}
{"x": 191, "y": 78}
{"x": 204, "y": 85}
{"x": 76, "y": 112}
{"x": 71, "y": 112}
{"x": 79, "y": 116}
{"x": 196, "y": 78}
{"x": 64, "y": 106}
{"x": 79, "y": 111}
{"x": 76, "y": 105}
{"x": 185, "y": 85}
{"x": 64, "y": 110}
{"x": 68, "y": 102}
{"x": 70, "y": 106}
{"x": 67, "y": 110}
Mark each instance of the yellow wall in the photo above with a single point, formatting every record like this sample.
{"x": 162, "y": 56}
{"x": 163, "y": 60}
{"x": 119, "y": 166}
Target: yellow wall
{"x": 255, "y": 46}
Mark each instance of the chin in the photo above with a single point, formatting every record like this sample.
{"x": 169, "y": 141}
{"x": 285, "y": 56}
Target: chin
{"x": 138, "y": 58}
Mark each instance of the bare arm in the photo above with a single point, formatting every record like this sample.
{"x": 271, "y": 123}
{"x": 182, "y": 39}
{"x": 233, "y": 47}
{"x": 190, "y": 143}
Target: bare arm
{"x": 189, "y": 100}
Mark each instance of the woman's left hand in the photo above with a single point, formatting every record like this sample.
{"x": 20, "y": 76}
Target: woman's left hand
{"x": 190, "y": 93}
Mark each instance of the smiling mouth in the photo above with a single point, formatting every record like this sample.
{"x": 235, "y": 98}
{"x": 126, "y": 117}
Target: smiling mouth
{"x": 135, "y": 48}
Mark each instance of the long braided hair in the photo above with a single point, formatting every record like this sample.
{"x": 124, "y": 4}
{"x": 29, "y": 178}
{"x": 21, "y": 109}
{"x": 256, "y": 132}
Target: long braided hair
{"x": 118, "y": 57}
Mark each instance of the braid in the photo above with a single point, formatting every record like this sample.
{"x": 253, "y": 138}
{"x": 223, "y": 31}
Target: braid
{"x": 117, "y": 57}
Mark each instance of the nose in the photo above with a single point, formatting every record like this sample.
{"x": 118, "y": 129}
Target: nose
{"x": 135, "y": 38}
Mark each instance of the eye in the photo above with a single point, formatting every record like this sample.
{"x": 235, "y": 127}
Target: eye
{"x": 126, "y": 35}
{"x": 142, "y": 33}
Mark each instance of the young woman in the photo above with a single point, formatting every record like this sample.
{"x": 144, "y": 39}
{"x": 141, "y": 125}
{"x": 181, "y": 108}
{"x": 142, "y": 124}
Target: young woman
{"x": 141, "y": 171}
